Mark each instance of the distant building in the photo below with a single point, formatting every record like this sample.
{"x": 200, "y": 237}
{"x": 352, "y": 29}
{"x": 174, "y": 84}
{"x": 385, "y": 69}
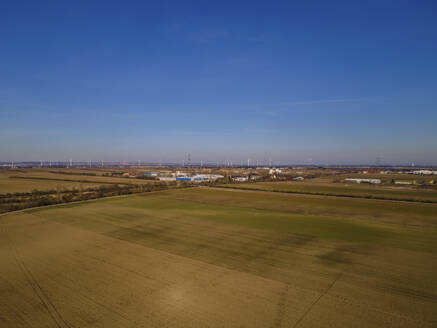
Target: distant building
{"x": 167, "y": 178}
{"x": 356, "y": 180}
{"x": 275, "y": 171}
{"x": 371, "y": 171}
{"x": 179, "y": 176}
{"x": 183, "y": 179}
{"x": 404, "y": 182}
{"x": 211, "y": 177}
{"x": 152, "y": 174}
{"x": 424, "y": 172}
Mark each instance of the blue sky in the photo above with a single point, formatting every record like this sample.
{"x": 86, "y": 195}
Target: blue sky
{"x": 314, "y": 81}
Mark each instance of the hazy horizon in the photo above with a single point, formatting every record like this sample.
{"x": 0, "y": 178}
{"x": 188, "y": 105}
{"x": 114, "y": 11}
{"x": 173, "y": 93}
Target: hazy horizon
{"x": 348, "y": 83}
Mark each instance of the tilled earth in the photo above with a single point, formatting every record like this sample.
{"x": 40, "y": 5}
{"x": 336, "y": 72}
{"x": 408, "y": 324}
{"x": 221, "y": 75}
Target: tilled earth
{"x": 159, "y": 261}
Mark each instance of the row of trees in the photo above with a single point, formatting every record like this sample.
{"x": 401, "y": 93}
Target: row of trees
{"x": 18, "y": 201}
{"x": 91, "y": 174}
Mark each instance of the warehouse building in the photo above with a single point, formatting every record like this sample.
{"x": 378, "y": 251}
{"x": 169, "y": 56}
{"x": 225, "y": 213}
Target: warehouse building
{"x": 356, "y": 180}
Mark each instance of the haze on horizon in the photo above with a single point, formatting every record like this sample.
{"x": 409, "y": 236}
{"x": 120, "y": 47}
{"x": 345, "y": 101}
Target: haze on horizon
{"x": 323, "y": 82}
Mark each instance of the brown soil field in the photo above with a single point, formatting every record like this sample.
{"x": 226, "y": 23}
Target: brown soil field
{"x": 9, "y": 185}
{"x": 412, "y": 193}
{"x": 383, "y": 177}
{"x": 220, "y": 258}
{"x": 42, "y": 179}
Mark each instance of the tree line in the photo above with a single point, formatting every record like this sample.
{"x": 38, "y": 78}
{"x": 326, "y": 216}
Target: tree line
{"x": 21, "y": 200}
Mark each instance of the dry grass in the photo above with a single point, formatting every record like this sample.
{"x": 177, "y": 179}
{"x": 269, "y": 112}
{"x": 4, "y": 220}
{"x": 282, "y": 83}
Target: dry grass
{"x": 11, "y": 185}
{"x": 43, "y": 179}
{"x": 220, "y": 258}
{"x": 346, "y": 189}
{"x": 383, "y": 177}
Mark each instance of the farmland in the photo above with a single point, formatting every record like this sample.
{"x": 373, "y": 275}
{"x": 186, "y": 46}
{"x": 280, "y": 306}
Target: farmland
{"x": 220, "y": 257}
{"x": 345, "y": 189}
{"x": 25, "y": 183}
{"x": 26, "y": 180}
{"x": 32, "y": 187}
{"x": 384, "y": 177}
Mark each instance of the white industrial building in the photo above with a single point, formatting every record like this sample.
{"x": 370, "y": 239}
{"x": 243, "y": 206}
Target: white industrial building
{"x": 275, "y": 171}
{"x": 211, "y": 177}
{"x": 425, "y": 172}
{"x": 179, "y": 176}
{"x": 356, "y": 180}
{"x": 404, "y": 182}
{"x": 240, "y": 179}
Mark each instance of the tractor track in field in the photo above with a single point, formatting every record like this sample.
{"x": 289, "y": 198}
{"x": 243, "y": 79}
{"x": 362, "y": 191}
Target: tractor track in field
{"x": 312, "y": 305}
{"x": 38, "y": 290}
{"x": 281, "y": 307}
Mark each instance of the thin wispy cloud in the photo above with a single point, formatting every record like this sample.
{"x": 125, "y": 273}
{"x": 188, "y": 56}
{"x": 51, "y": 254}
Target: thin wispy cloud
{"x": 282, "y": 108}
{"x": 322, "y": 101}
